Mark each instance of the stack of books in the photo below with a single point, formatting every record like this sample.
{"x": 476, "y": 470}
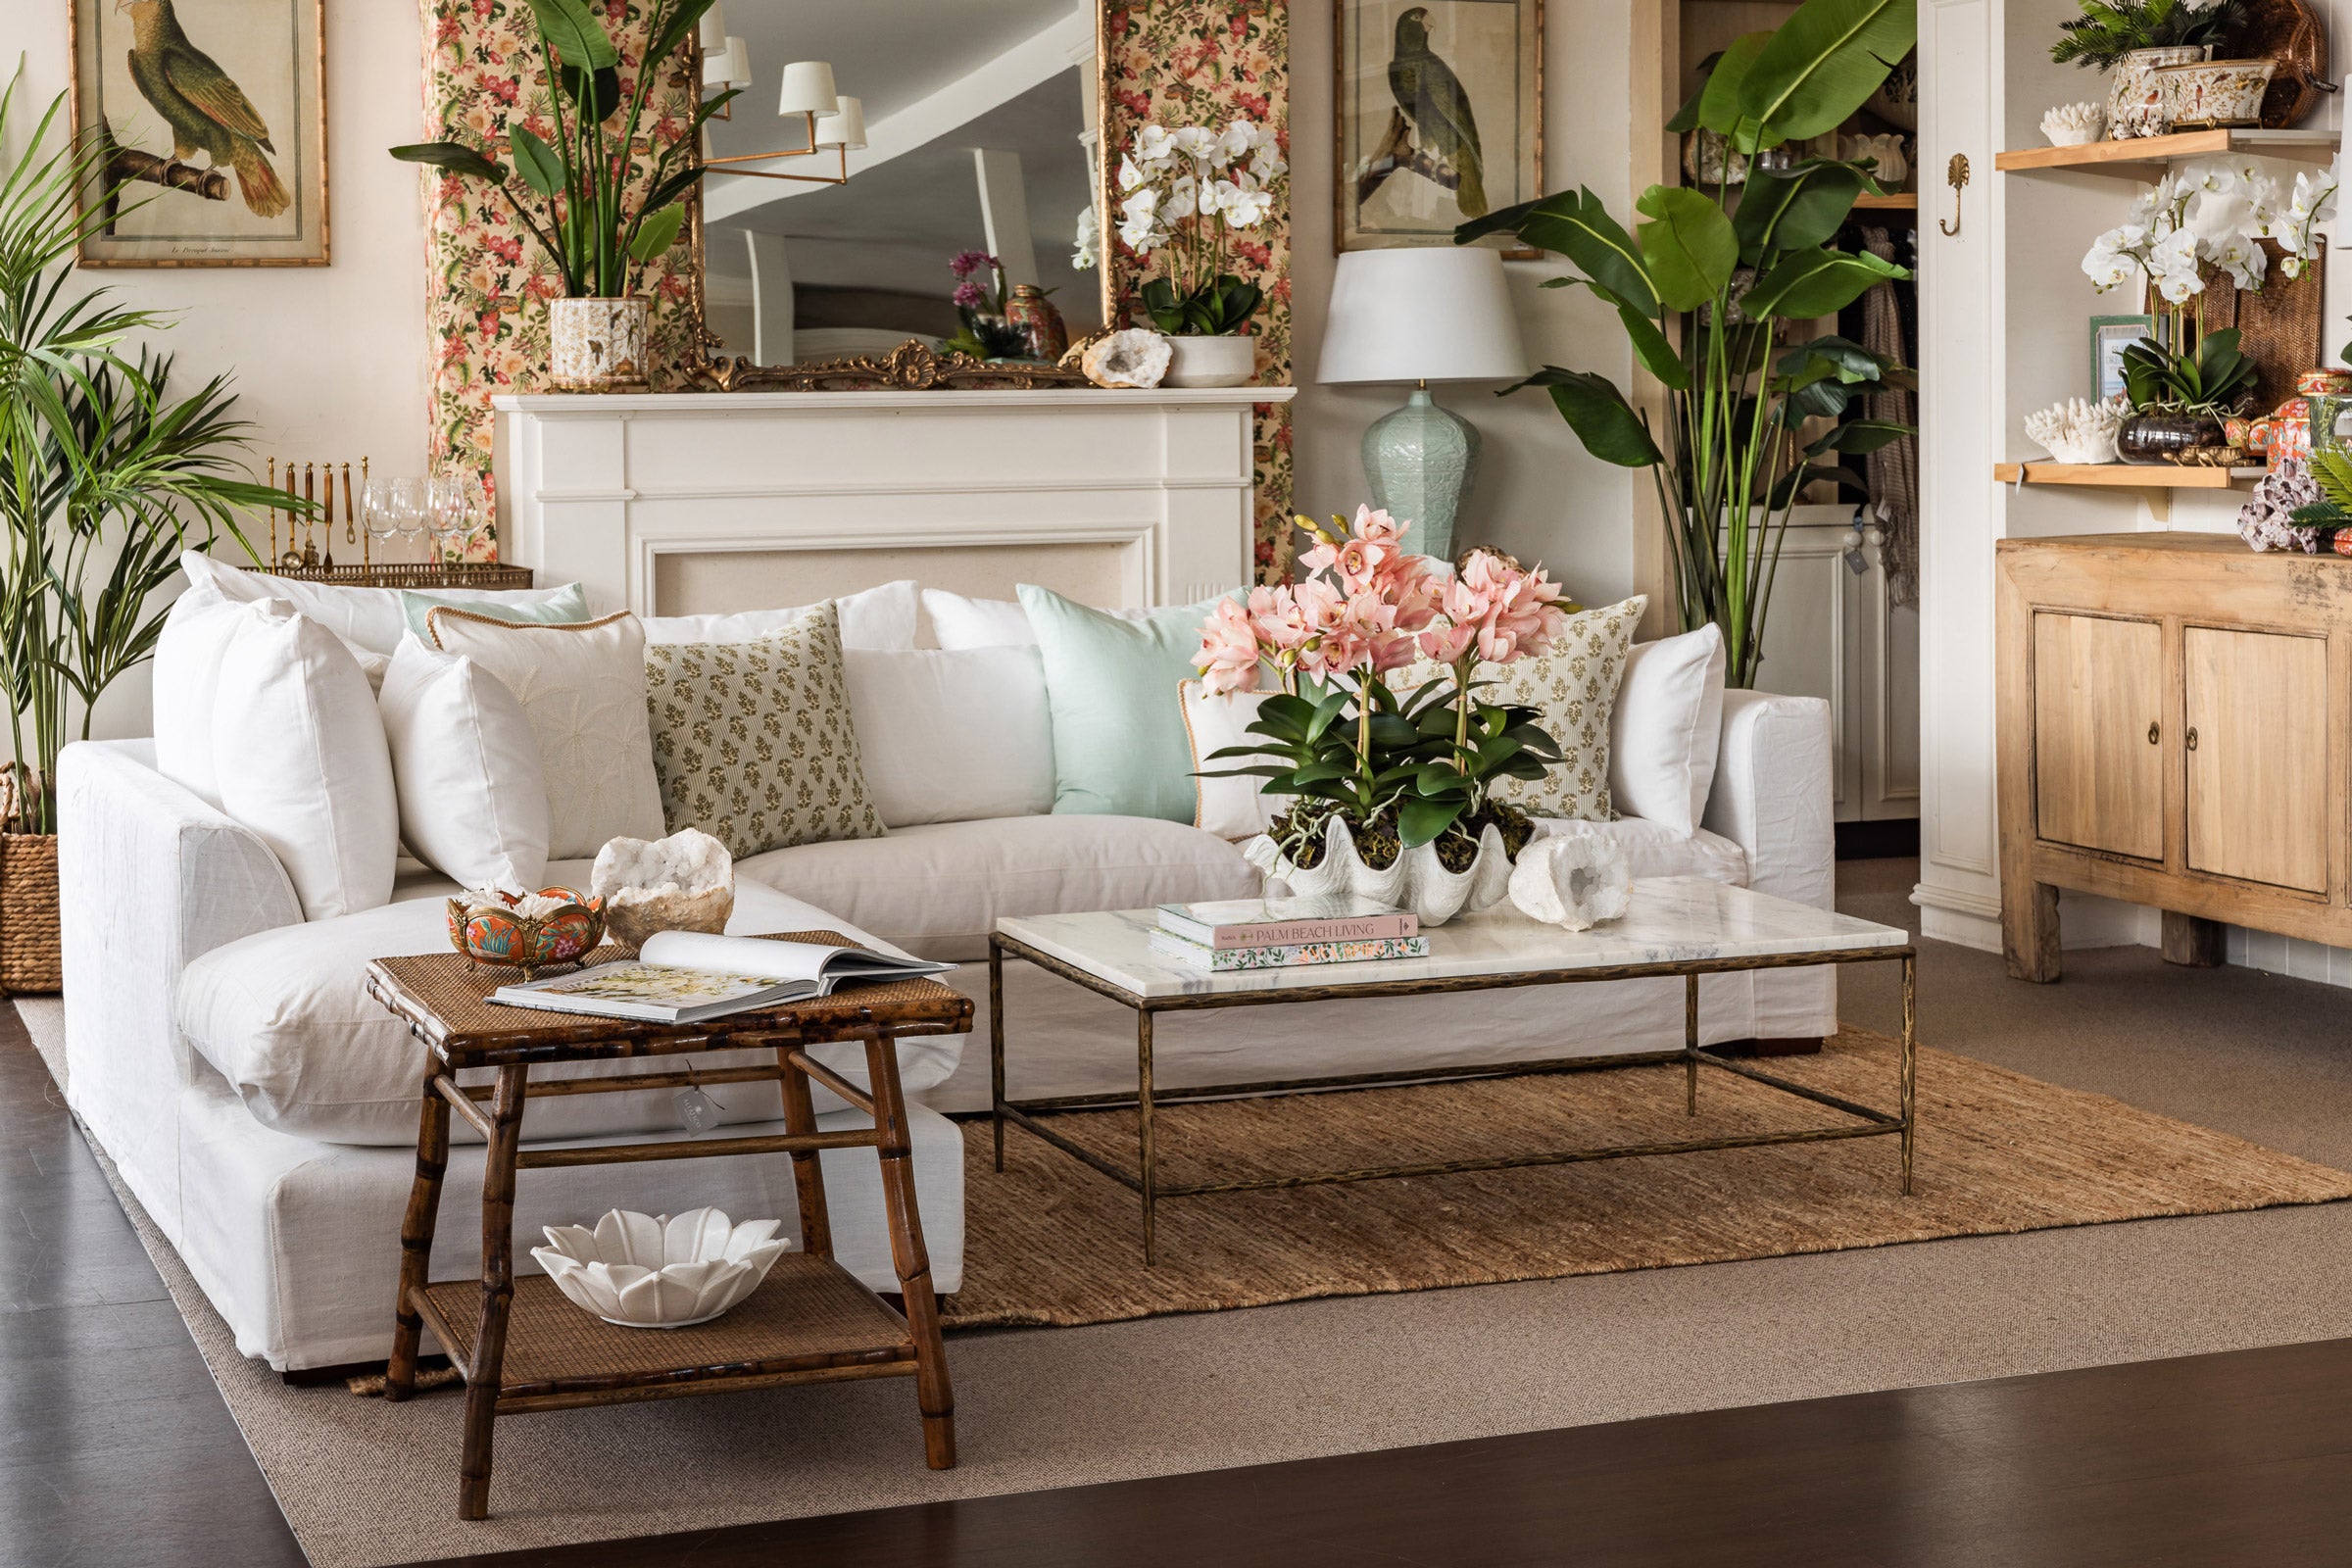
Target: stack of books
{"x": 1281, "y": 933}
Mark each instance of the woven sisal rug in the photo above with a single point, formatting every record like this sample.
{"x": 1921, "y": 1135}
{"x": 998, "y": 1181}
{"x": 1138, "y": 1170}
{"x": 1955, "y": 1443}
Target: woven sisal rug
{"x": 1052, "y": 1242}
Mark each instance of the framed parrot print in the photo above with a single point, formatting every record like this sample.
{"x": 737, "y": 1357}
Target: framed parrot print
{"x": 212, "y": 117}
{"x": 1441, "y": 116}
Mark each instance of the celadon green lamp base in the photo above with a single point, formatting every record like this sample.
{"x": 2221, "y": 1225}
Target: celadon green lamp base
{"x": 1419, "y": 462}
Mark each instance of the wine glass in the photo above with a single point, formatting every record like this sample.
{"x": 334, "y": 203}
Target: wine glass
{"x": 413, "y": 509}
{"x": 448, "y": 519}
{"x": 378, "y": 502}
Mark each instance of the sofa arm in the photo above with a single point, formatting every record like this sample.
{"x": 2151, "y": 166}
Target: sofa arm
{"x": 149, "y": 876}
{"x": 1773, "y": 794}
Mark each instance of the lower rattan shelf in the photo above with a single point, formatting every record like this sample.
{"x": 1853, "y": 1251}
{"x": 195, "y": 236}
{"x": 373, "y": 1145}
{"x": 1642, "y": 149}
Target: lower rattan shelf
{"x": 809, "y": 1322}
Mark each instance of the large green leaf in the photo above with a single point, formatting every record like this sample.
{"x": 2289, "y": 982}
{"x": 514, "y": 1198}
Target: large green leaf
{"x": 1656, "y": 354}
{"x": 539, "y": 164}
{"x": 1599, "y": 416}
{"x": 1688, "y": 246}
{"x": 658, "y": 232}
{"x": 455, "y": 156}
{"x": 1797, "y": 209}
{"x": 1574, "y": 224}
{"x": 1817, "y": 283}
{"x": 1824, "y": 62}
{"x": 1719, "y": 101}
{"x": 572, "y": 30}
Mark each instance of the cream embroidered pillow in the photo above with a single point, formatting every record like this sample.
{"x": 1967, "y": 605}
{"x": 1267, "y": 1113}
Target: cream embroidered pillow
{"x": 752, "y": 740}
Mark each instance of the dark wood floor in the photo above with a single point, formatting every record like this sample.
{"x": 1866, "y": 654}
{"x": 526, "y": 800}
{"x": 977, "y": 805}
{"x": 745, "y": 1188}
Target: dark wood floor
{"x": 119, "y": 1453}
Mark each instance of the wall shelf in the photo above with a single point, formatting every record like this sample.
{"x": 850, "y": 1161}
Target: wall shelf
{"x": 1900, "y": 198}
{"x": 2144, "y": 159}
{"x": 2125, "y": 475}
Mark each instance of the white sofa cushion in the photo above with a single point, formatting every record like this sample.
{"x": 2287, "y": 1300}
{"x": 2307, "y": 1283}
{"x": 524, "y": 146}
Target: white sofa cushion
{"x": 938, "y": 890}
{"x": 582, "y": 687}
{"x": 952, "y": 735}
{"x": 881, "y": 618}
{"x": 472, "y": 794}
{"x": 960, "y": 622}
{"x": 300, "y": 757}
{"x": 1231, "y": 808}
{"x": 285, "y": 1017}
{"x": 1666, "y": 728}
{"x": 1654, "y": 848}
{"x": 369, "y": 616}
{"x": 187, "y": 678}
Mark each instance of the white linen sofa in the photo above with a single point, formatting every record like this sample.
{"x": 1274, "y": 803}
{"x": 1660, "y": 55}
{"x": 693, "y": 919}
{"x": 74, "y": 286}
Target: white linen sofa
{"x": 223, "y": 1052}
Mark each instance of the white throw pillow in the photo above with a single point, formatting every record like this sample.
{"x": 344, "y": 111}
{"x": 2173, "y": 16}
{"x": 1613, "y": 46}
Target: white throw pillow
{"x": 960, "y": 622}
{"x": 1229, "y": 807}
{"x": 879, "y": 618}
{"x": 582, "y": 687}
{"x": 301, "y": 759}
{"x": 1666, "y": 728}
{"x": 472, "y": 793}
{"x": 187, "y": 678}
{"x": 952, "y": 735}
{"x": 372, "y": 617}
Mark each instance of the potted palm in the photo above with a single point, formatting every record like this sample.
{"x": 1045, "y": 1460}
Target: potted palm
{"x": 2135, "y": 40}
{"x": 105, "y": 479}
{"x": 1185, "y": 194}
{"x": 605, "y": 194}
{"x": 1753, "y": 411}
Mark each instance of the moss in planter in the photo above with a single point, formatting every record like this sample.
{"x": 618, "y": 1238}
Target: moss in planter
{"x": 1378, "y": 844}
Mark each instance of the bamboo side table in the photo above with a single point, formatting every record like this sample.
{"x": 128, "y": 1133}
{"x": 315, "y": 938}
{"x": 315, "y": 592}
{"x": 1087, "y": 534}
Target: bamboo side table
{"x": 522, "y": 1346}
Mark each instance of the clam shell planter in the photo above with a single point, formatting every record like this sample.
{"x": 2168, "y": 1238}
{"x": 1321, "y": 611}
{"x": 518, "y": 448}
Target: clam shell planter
{"x": 651, "y": 1271}
{"x": 2075, "y": 430}
{"x": 489, "y": 928}
{"x": 1418, "y": 880}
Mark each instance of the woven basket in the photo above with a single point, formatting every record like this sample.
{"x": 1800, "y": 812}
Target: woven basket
{"x": 30, "y": 954}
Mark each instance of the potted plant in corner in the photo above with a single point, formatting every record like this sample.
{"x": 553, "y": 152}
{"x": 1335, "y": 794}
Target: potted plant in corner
{"x": 1391, "y": 792}
{"x": 104, "y": 481}
{"x": 2135, "y": 40}
{"x": 590, "y": 199}
{"x": 1184, "y": 195}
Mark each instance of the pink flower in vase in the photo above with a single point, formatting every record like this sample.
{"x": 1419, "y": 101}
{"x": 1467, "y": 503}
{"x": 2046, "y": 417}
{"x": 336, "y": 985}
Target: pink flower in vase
{"x": 1378, "y": 527}
{"x": 970, "y": 296}
{"x": 1229, "y": 654}
{"x": 1448, "y": 642}
{"x": 1279, "y": 621}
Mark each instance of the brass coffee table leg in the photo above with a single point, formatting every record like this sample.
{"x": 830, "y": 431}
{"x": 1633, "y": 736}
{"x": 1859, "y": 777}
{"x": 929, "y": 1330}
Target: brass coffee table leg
{"x": 416, "y": 1237}
{"x": 1910, "y": 1062}
{"x": 1691, "y": 1046}
{"x": 1143, "y": 1124}
{"x": 483, "y": 1376}
{"x": 996, "y": 1044}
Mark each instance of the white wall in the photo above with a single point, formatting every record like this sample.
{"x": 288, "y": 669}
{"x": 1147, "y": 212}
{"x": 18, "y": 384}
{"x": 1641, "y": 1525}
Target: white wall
{"x": 1538, "y": 495}
{"x": 329, "y": 362}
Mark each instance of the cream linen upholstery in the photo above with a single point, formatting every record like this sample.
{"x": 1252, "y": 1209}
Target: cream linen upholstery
{"x": 937, "y": 890}
{"x": 1666, "y": 727}
{"x": 984, "y": 706}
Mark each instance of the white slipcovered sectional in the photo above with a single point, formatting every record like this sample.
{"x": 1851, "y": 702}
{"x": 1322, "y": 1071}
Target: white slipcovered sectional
{"x": 222, "y": 1050}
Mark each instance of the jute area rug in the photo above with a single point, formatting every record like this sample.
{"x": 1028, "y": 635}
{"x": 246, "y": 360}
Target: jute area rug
{"x": 1052, "y": 1242}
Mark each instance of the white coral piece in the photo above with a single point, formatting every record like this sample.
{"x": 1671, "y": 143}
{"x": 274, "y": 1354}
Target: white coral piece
{"x": 2075, "y": 430}
{"x": 1575, "y": 880}
{"x": 650, "y": 1272}
{"x": 2074, "y": 125}
{"x": 1134, "y": 358}
{"x": 685, "y": 882}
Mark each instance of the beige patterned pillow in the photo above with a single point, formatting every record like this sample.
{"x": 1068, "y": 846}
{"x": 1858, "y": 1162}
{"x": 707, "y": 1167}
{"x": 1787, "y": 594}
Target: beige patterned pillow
{"x": 1575, "y": 688}
{"x": 752, "y": 740}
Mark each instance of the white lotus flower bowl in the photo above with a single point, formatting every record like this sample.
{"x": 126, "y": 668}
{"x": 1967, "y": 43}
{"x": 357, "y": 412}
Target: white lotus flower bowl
{"x": 650, "y": 1272}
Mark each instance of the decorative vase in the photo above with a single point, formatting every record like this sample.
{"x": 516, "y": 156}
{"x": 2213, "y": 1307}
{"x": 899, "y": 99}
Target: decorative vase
{"x": 490, "y": 931}
{"x": 1708, "y": 159}
{"x": 2167, "y": 435}
{"x": 2327, "y": 420}
{"x": 597, "y": 345}
{"x": 1419, "y": 462}
{"x": 1417, "y": 880}
{"x": 2211, "y": 94}
{"x": 1896, "y": 100}
{"x": 1229, "y": 361}
{"x": 650, "y": 1272}
{"x": 1035, "y": 314}
{"x": 2135, "y": 99}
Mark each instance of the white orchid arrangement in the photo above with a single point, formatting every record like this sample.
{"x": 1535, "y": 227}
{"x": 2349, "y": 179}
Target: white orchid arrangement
{"x": 1184, "y": 193}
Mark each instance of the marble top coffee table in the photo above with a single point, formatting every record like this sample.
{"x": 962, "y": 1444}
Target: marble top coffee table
{"x": 1683, "y": 926}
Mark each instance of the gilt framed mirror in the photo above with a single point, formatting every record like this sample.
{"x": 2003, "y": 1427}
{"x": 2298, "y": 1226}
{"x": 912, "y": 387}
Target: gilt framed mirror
{"x": 910, "y": 245}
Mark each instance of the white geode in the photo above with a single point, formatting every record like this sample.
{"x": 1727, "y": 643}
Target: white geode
{"x": 1575, "y": 880}
{"x": 1133, "y": 357}
{"x": 650, "y": 1272}
{"x": 685, "y": 882}
{"x": 2075, "y": 124}
{"x": 2075, "y": 430}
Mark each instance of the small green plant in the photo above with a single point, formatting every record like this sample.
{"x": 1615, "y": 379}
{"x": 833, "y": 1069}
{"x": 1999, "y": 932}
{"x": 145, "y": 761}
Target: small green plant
{"x": 2332, "y": 472}
{"x": 2213, "y": 377}
{"x": 2109, "y": 30}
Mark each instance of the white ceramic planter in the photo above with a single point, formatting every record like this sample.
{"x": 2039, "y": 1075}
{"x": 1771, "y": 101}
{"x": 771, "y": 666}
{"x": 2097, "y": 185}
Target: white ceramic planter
{"x": 2212, "y": 93}
{"x": 1212, "y": 361}
{"x": 650, "y": 1272}
{"x": 597, "y": 345}
{"x": 2136, "y": 101}
{"x": 1418, "y": 881}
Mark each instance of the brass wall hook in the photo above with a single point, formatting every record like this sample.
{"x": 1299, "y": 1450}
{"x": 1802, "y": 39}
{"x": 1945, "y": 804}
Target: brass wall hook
{"x": 1955, "y": 174}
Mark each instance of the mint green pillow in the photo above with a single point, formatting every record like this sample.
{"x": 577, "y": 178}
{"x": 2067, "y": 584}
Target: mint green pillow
{"x": 564, "y": 606}
{"x": 1119, "y": 743}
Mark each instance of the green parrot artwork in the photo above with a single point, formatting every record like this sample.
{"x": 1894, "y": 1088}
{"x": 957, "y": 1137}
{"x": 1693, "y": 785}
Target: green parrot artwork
{"x": 1431, "y": 96}
{"x": 207, "y": 111}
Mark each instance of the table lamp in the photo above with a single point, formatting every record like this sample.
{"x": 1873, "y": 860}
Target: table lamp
{"x": 1422, "y": 315}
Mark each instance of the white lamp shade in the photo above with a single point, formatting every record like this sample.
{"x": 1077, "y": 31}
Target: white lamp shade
{"x": 730, "y": 66}
{"x": 845, "y": 127}
{"x": 808, "y": 89}
{"x": 1424, "y": 313}
{"x": 715, "y": 30}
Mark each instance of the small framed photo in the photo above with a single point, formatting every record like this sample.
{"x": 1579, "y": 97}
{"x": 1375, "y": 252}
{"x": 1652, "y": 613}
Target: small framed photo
{"x": 2110, "y": 336}
{"x": 1440, "y": 107}
{"x": 214, "y": 114}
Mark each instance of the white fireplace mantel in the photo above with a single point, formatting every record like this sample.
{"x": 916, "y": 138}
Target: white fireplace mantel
{"x": 604, "y": 488}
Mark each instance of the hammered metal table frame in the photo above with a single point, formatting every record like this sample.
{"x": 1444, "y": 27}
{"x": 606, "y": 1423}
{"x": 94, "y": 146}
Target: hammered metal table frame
{"x": 1144, "y": 1180}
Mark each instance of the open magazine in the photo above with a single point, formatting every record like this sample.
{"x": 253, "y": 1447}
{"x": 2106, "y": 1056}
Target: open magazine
{"x": 687, "y": 976}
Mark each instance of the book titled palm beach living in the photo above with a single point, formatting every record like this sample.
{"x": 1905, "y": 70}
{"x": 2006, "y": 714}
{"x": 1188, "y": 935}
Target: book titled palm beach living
{"x": 688, "y": 977}
{"x": 1231, "y": 923}
{"x": 1291, "y": 956}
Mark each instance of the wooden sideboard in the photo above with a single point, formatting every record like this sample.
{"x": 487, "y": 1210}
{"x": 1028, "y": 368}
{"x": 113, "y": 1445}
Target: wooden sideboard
{"x": 2176, "y": 729}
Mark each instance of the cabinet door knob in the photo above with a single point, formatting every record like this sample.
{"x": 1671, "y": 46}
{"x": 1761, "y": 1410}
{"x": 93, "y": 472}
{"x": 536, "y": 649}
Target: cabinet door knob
{"x": 2151, "y": 732}
{"x": 2190, "y": 739}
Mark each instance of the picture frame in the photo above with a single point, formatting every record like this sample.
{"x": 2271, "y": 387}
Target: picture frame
{"x": 1398, "y": 182}
{"x": 214, "y": 114}
{"x": 2110, "y": 336}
